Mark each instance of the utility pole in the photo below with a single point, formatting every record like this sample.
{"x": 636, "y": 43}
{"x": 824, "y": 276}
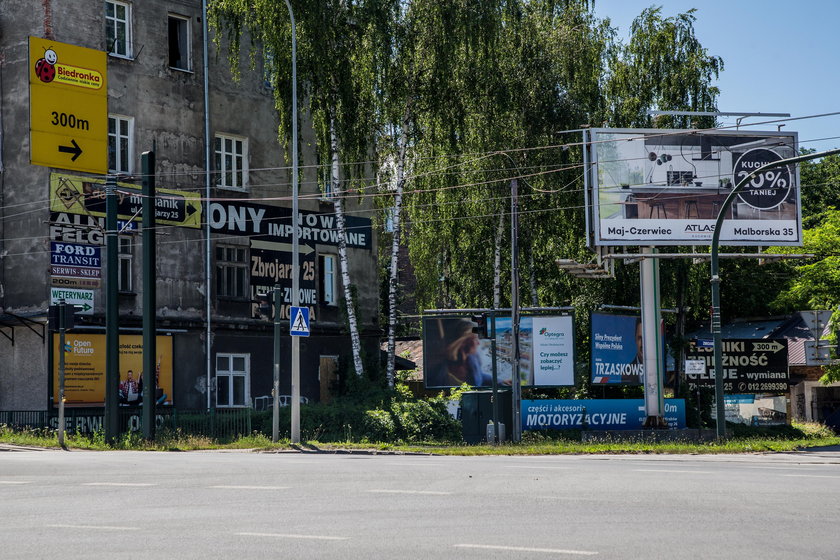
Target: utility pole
{"x": 149, "y": 296}
{"x": 275, "y": 388}
{"x": 516, "y": 385}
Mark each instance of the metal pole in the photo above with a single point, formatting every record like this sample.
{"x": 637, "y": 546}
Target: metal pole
{"x": 61, "y": 329}
{"x": 516, "y": 384}
{"x": 715, "y": 278}
{"x": 275, "y": 390}
{"x": 112, "y": 318}
{"x": 496, "y": 439}
{"x": 150, "y": 367}
{"x": 295, "y": 240}
{"x": 208, "y": 289}
{"x": 651, "y": 340}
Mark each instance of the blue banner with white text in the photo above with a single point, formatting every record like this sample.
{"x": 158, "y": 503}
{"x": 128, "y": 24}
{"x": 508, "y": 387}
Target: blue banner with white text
{"x": 599, "y": 414}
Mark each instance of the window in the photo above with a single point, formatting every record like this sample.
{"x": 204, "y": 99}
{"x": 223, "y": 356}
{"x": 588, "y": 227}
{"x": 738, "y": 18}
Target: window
{"x": 118, "y": 28}
{"x": 179, "y": 43}
{"x": 327, "y": 281}
{"x": 126, "y": 256}
{"x": 232, "y": 380}
{"x": 231, "y": 271}
{"x": 231, "y": 162}
{"x": 120, "y": 144}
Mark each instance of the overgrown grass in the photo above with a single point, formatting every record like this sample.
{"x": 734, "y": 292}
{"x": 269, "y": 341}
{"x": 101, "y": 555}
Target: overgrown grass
{"x": 743, "y": 439}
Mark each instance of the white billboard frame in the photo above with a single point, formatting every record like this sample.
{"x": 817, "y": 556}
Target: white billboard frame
{"x": 651, "y": 187}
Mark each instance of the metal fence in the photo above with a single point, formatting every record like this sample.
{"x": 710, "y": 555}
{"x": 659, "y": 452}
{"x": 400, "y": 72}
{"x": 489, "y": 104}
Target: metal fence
{"x": 220, "y": 424}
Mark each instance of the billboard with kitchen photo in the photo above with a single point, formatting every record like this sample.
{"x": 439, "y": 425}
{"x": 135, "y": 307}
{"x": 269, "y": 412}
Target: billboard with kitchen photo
{"x": 453, "y": 354}
{"x": 666, "y": 187}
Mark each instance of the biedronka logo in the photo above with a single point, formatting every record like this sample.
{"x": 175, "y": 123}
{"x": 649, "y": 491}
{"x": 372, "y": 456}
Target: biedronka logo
{"x": 48, "y": 70}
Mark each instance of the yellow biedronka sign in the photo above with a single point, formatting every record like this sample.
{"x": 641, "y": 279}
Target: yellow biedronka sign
{"x": 68, "y": 106}
{"x": 84, "y": 369}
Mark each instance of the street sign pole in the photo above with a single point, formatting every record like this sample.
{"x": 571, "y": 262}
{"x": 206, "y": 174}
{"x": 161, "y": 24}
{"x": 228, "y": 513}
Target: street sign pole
{"x": 275, "y": 391}
{"x": 112, "y": 327}
{"x": 516, "y": 385}
{"x": 149, "y": 297}
{"x": 62, "y": 327}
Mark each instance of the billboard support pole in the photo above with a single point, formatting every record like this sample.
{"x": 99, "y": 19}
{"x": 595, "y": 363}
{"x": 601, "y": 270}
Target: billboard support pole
{"x": 651, "y": 339}
{"x": 496, "y": 439}
{"x": 62, "y": 328}
{"x": 715, "y": 277}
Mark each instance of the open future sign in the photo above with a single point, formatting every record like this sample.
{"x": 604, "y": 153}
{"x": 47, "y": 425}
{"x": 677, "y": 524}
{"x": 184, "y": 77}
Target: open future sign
{"x": 667, "y": 187}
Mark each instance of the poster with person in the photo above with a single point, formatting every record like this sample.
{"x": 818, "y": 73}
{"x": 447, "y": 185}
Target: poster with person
{"x": 617, "y": 351}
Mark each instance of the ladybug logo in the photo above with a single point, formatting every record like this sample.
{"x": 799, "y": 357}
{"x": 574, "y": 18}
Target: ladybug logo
{"x": 45, "y": 67}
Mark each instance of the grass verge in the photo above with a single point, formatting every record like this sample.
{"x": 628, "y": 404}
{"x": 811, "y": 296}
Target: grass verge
{"x": 743, "y": 440}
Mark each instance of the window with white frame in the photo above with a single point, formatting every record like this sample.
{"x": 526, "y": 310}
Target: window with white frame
{"x": 179, "y": 43}
{"x": 231, "y": 161}
{"x": 328, "y": 279}
{"x": 231, "y": 271}
{"x": 118, "y": 28}
{"x": 126, "y": 259}
{"x": 232, "y": 380}
{"x": 120, "y": 144}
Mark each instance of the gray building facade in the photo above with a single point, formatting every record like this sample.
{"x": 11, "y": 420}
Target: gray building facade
{"x": 156, "y": 101}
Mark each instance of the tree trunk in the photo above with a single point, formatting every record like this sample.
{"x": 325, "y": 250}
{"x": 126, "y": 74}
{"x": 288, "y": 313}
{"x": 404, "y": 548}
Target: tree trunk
{"x": 497, "y": 262}
{"x": 395, "y": 247}
{"x": 342, "y": 255}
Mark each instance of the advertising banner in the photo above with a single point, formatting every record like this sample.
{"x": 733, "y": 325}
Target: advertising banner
{"x": 453, "y": 354}
{"x": 88, "y": 230}
{"x": 274, "y": 223}
{"x": 596, "y": 414}
{"x": 75, "y": 255}
{"x": 749, "y": 365}
{"x": 86, "y": 196}
{"x": 617, "y": 352}
{"x": 84, "y": 367}
{"x": 271, "y": 264}
{"x": 754, "y": 410}
{"x": 666, "y": 187}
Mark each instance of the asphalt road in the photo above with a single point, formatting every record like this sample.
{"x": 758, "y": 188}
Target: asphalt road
{"x": 205, "y": 505}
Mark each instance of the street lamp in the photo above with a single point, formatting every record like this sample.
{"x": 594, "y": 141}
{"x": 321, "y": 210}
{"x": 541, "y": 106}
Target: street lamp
{"x": 715, "y": 278}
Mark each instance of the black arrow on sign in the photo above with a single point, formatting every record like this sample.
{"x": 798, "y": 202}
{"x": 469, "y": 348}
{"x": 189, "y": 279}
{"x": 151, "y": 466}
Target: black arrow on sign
{"x": 74, "y": 149}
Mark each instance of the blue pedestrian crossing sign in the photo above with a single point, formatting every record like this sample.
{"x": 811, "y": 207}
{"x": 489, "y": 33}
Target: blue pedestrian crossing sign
{"x": 299, "y": 321}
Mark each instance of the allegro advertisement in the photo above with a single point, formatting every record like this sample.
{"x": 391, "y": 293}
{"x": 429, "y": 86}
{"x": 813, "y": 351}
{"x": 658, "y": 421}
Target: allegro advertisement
{"x": 84, "y": 369}
{"x": 667, "y": 187}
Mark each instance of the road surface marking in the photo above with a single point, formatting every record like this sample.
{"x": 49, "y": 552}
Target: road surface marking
{"x": 232, "y": 487}
{"x": 812, "y": 475}
{"x": 291, "y": 536}
{"x": 131, "y": 484}
{"x": 14, "y": 482}
{"x": 536, "y": 467}
{"x": 428, "y": 492}
{"x": 673, "y": 471}
{"x": 95, "y": 527}
{"x": 528, "y": 549}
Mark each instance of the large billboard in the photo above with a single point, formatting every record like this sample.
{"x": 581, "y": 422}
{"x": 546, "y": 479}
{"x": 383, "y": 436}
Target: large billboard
{"x": 666, "y": 187}
{"x": 749, "y": 365}
{"x": 84, "y": 369}
{"x": 453, "y": 354}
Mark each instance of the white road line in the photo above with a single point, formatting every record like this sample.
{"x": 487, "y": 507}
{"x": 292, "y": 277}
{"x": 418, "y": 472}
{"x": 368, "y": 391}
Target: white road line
{"x": 291, "y": 536}
{"x": 673, "y": 471}
{"x": 14, "y": 482}
{"x": 528, "y": 549}
{"x": 428, "y": 492}
{"x": 95, "y": 527}
{"x": 232, "y": 487}
{"x": 536, "y": 467}
{"x": 131, "y": 484}
{"x": 812, "y": 475}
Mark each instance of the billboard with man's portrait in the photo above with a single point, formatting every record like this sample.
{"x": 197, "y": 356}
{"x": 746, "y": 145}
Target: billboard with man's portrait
{"x": 667, "y": 187}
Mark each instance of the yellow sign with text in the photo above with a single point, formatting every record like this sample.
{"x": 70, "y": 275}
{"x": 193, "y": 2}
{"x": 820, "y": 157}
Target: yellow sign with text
{"x": 86, "y": 196}
{"x": 68, "y": 106}
{"x": 84, "y": 369}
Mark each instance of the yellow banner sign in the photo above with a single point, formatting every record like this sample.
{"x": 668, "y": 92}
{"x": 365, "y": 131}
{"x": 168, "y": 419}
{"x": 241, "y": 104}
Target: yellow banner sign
{"x": 68, "y": 106}
{"x": 85, "y": 195}
{"x": 84, "y": 369}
